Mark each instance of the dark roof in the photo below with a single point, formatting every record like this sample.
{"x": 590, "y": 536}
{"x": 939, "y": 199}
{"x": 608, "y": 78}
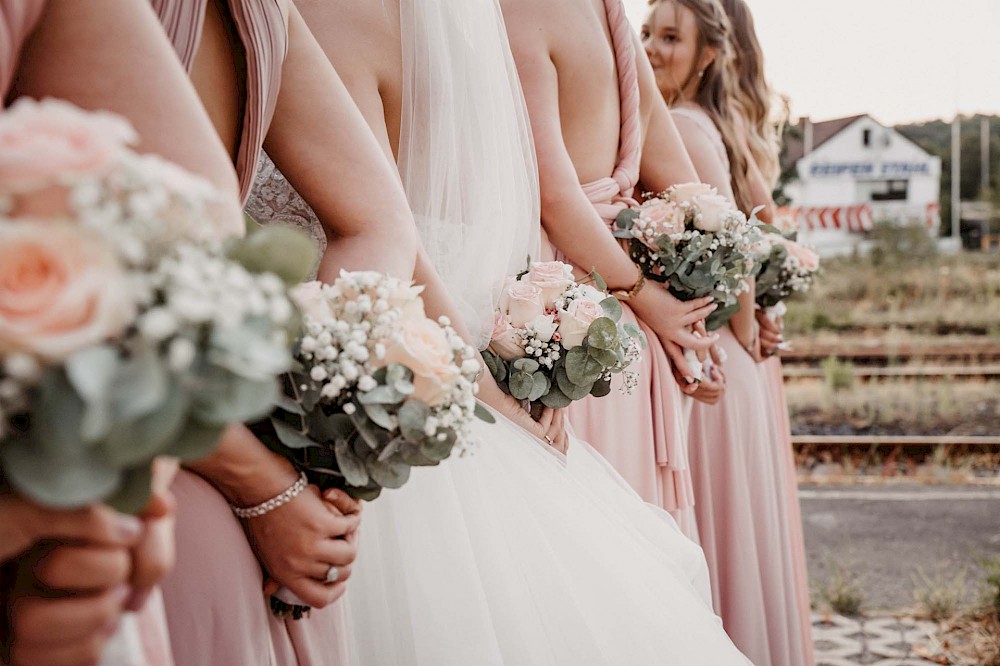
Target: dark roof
{"x": 822, "y": 132}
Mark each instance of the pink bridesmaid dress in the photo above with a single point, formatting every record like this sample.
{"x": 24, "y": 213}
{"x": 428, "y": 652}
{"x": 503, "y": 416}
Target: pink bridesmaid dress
{"x": 18, "y": 18}
{"x": 216, "y": 610}
{"x": 747, "y": 503}
{"x": 643, "y": 435}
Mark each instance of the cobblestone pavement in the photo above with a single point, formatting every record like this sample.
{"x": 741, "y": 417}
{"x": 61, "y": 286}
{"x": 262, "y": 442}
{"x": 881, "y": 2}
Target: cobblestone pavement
{"x": 883, "y": 641}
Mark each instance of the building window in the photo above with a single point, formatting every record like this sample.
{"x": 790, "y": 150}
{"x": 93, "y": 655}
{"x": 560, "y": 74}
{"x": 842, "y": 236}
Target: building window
{"x": 866, "y": 138}
{"x": 889, "y": 190}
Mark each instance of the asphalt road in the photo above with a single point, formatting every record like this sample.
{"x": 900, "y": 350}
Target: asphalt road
{"x": 885, "y": 533}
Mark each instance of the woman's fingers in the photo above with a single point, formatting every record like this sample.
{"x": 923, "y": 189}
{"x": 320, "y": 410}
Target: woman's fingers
{"x": 152, "y": 559}
{"x": 24, "y": 523}
{"x": 699, "y": 314}
{"x": 82, "y": 568}
{"x": 76, "y": 617}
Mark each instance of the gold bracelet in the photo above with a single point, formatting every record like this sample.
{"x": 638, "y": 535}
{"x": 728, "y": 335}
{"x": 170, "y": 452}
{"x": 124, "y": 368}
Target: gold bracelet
{"x": 626, "y": 295}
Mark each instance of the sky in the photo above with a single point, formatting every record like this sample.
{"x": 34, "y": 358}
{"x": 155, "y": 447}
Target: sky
{"x": 898, "y": 60}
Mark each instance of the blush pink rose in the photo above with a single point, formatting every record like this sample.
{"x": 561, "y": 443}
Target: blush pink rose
{"x": 507, "y": 345}
{"x": 47, "y": 146}
{"x": 422, "y": 346}
{"x": 662, "y": 217}
{"x": 500, "y": 324}
{"x": 524, "y": 303}
{"x": 552, "y": 277}
{"x": 806, "y": 257}
{"x": 60, "y": 291}
{"x": 575, "y": 321}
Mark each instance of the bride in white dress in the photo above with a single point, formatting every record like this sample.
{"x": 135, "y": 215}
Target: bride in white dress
{"x": 515, "y": 555}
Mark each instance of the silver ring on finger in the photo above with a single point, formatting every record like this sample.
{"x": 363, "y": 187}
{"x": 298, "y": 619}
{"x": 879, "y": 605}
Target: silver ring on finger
{"x": 332, "y": 574}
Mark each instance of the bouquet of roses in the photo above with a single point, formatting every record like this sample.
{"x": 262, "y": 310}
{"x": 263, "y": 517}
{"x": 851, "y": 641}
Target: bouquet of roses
{"x": 128, "y": 328}
{"x": 377, "y": 388}
{"x": 556, "y": 340}
{"x": 786, "y": 268}
{"x": 693, "y": 241}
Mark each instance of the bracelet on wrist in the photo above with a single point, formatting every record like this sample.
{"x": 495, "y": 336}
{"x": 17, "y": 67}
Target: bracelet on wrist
{"x": 626, "y": 295}
{"x": 270, "y": 505}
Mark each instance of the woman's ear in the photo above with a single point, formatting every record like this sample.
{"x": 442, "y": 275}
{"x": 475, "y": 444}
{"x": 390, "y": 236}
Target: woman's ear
{"x": 708, "y": 56}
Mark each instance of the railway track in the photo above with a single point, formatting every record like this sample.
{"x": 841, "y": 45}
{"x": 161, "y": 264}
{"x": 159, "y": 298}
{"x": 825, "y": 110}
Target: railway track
{"x": 932, "y": 372}
{"x": 979, "y": 353}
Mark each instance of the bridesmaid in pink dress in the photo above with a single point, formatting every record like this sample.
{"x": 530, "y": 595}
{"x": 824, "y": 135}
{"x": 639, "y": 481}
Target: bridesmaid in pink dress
{"x": 595, "y": 134}
{"x": 750, "y": 530}
{"x": 753, "y": 112}
{"x": 72, "y": 50}
{"x": 267, "y": 83}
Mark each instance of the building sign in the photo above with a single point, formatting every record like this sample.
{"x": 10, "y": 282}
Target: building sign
{"x": 869, "y": 169}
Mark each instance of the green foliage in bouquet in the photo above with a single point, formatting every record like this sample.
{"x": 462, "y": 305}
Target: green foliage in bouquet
{"x": 100, "y": 418}
{"x": 771, "y": 289}
{"x": 581, "y": 371}
{"x": 698, "y": 267}
{"x": 357, "y": 447}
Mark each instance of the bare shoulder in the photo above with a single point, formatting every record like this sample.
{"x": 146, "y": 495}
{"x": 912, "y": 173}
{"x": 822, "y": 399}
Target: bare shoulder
{"x": 361, "y": 39}
{"x": 527, "y": 25}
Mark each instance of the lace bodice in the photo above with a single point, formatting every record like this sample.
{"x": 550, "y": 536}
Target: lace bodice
{"x": 274, "y": 200}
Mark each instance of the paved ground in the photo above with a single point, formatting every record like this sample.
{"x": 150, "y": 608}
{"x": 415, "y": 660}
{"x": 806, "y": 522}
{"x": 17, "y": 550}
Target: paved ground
{"x": 885, "y": 533}
{"x": 886, "y": 641}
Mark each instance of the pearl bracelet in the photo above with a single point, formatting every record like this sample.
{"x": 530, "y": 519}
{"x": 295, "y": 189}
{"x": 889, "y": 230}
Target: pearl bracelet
{"x": 270, "y": 505}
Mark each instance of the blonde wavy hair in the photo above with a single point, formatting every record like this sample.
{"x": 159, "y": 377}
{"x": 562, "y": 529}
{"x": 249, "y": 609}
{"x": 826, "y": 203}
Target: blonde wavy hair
{"x": 717, "y": 87}
{"x": 754, "y": 98}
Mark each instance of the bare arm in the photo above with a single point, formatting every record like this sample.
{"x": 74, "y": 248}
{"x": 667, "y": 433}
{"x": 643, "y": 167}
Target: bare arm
{"x": 323, "y": 145}
{"x": 713, "y": 171}
{"x": 76, "y": 54}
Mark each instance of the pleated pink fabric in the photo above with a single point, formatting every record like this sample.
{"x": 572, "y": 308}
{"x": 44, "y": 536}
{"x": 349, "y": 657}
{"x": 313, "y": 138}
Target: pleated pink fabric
{"x": 216, "y": 610}
{"x": 747, "y": 502}
{"x": 643, "y": 435}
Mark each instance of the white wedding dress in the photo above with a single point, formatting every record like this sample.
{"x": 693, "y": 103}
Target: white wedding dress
{"x": 514, "y": 555}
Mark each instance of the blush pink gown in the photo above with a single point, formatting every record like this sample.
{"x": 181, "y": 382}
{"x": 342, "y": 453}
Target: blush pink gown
{"x": 643, "y": 435}
{"x": 747, "y": 502}
{"x": 216, "y": 610}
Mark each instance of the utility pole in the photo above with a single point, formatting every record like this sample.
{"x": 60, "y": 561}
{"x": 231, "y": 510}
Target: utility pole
{"x": 956, "y": 178}
{"x": 984, "y": 156}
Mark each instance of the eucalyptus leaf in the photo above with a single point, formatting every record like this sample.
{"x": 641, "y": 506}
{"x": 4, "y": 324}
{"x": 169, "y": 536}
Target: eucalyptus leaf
{"x": 330, "y": 427}
{"x": 580, "y": 368}
{"x": 68, "y": 480}
{"x": 228, "y": 398}
{"x": 540, "y": 384}
{"x": 412, "y": 417}
{"x": 437, "y": 449}
{"x": 57, "y": 419}
{"x": 288, "y": 253}
{"x": 631, "y": 329}
{"x": 484, "y": 414}
{"x": 601, "y": 388}
{"x": 388, "y": 475}
{"x": 132, "y": 443}
{"x": 93, "y": 371}
{"x": 134, "y": 493}
{"x": 556, "y": 399}
{"x": 381, "y": 395}
{"x": 289, "y": 404}
{"x": 290, "y": 436}
{"x": 612, "y": 308}
{"x": 605, "y": 357}
{"x": 521, "y": 385}
{"x": 527, "y": 365}
{"x": 379, "y": 415}
{"x": 351, "y": 466}
{"x": 572, "y": 390}
{"x": 195, "y": 441}
{"x": 141, "y": 385}
{"x": 603, "y": 333}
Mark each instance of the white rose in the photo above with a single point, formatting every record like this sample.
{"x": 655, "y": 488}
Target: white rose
{"x": 686, "y": 192}
{"x": 576, "y": 320}
{"x": 545, "y": 326}
{"x": 714, "y": 211}
{"x": 592, "y": 293}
